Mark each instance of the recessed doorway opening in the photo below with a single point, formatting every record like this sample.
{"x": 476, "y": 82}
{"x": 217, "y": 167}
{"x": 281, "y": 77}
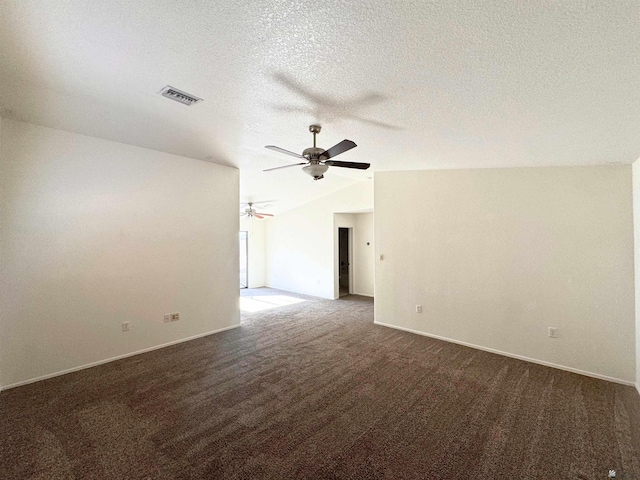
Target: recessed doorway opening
{"x": 345, "y": 272}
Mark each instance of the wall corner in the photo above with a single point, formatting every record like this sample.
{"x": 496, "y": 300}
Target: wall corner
{"x": 635, "y": 174}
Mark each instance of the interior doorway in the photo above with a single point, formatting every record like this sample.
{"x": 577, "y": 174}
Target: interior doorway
{"x": 244, "y": 260}
{"x": 345, "y": 281}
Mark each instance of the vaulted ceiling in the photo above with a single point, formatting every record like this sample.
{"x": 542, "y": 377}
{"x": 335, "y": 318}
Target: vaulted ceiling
{"x": 416, "y": 84}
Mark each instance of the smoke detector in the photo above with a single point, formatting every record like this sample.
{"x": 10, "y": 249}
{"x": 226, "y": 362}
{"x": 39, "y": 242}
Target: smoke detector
{"x": 179, "y": 96}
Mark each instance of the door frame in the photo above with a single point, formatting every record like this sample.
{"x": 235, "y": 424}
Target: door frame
{"x": 350, "y": 254}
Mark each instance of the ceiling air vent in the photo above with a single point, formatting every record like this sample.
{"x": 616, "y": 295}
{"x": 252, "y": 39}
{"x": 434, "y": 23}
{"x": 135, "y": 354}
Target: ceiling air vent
{"x": 179, "y": 95}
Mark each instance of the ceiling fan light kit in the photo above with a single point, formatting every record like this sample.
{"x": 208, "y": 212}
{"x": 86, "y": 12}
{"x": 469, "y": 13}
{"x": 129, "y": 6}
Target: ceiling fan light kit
{"x": 316, "y": 170}
{"x": 317, "y": 160}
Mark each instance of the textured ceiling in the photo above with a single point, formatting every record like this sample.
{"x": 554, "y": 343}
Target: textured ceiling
{"x": 416, "y": 84}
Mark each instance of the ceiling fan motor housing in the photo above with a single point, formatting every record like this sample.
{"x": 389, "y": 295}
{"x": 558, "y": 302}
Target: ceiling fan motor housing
{"x": 313, "y": 153}
{"x": 315, "y": 168}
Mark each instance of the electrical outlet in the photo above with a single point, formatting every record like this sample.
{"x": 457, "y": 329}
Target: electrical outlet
{"x": 125, "y": 326}
{"x": 167, "y": 317}
{"x": 553, "y": 332}
{"x": 418, "y": 308}
{"x": 175, "y": 317}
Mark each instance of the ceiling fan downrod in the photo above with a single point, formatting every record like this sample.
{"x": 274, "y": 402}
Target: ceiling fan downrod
{"x": 312, "y": 154}
{"x": 315, "y": 129}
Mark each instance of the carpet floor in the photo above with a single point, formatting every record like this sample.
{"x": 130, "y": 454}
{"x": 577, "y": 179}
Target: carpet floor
{"x": 315, "y": 390}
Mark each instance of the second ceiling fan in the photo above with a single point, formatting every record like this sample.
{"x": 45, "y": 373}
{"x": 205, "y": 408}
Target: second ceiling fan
{"x": 318, "y": 160}
{"x": 251, "y": 212}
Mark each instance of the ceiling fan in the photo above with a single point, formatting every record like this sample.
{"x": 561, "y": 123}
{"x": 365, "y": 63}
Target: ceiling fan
{"x": 251, "y": 212}
{"x": 318, "y": 160}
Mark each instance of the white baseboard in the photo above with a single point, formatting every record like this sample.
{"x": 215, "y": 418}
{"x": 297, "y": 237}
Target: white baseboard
{"x": 363, "y": 294}
{"x": 513, "y": 355}
{"x": 112, "y": 359}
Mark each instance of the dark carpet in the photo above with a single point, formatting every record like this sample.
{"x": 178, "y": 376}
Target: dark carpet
{"x": 315, "y": 390}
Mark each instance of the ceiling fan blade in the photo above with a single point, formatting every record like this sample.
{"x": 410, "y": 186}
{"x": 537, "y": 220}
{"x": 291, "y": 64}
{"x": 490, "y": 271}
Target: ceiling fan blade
{"x": 338, "y": 163}
{"x": 257, "y": 215}
{"x": 265, "y": 202}
{"x": 285, "y": 166}
{"x": 282, "y": 150}
{"x": 341, "y": 147}
{"x": 243, "y": 214}
{"x": 264, "y": 214}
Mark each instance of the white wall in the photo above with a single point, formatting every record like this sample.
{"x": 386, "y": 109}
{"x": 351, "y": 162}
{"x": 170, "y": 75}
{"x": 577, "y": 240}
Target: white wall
{"x": 300, "y": 244}
{"x": 364, "y": 264}
{"x": 95, "y": 233}
{"x": 343, "y": 220}
{"x": 255, "y": 229}
{"x": 497, "y": 256}
{"x": 636, "y": 229}
{"x": 361, "y": 255}
{"x": 364, "y": 254}
{"x": 2, "y": 201}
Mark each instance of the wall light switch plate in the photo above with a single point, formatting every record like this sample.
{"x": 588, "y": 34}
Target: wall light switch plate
{"x": 125, "y": 326}
{"x": 553, "y": 332}
{"x": 175, "y": 317}
{"x": 167, "y": 318}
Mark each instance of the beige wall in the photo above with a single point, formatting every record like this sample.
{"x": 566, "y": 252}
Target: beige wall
{"x": 96, "y": 233}
{"x": 361, "y": 254}
{"x": 364, "y": 265}
{"x": 497, "y": 256}
{"x": 343, "y": 220}
{"x": 2, "y": 202}
{"x": 300, "y": 244}
{"x": 636, "y": 229}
